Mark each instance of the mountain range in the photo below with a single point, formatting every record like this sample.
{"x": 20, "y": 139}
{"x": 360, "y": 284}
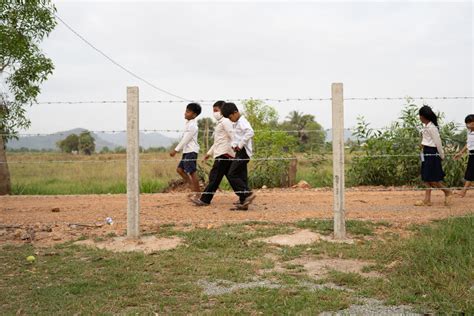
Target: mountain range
{"x": 110, "y": 140}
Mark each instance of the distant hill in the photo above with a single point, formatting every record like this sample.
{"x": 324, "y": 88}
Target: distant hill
{"x": 101, "y": 140}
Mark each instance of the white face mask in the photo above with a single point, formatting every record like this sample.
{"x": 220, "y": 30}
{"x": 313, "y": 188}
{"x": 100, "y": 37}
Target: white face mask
{"x": 217, "y": 115}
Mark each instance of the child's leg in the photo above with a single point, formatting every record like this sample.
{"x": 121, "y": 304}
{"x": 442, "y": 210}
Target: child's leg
{"x": 218, "y": 171}
{"x": 464, "y": 190}
{"x": 427, "y": 199}
{"x": 236, "y": 177}
{"x": 184, "y": 175}
{"x": 194, "y": 182}
{"x": 442, "y": 186}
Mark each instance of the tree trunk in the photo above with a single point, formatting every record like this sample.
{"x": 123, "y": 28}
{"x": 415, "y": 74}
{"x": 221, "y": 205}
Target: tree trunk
{"x": 5, "y": 186}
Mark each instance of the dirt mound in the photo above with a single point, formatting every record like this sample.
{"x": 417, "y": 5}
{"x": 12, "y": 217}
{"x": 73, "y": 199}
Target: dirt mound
{"x": 145, "y": 244}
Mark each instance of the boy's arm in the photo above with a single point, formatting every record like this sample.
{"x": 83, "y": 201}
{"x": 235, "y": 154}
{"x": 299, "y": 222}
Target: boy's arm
{"x": 248, "y": 134}
{"x": 210, "y": 152}
{"x": 229, "y": 128}
{"x": 187, "y": 137}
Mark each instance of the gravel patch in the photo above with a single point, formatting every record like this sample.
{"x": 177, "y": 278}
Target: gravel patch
{"x": 222, "y": 287}
{"x": 370, "y": 306}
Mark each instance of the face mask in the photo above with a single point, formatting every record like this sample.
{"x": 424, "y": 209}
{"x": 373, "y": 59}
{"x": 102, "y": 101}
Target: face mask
{"x": 217, "y": 115}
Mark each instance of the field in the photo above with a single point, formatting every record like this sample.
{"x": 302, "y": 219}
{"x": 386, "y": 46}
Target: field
{"x": 401, "y": 259}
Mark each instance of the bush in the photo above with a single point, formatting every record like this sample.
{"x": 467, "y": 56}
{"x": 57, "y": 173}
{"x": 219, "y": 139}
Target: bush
{"x": 268, "y": 142}
{"x": 402, "y": 140}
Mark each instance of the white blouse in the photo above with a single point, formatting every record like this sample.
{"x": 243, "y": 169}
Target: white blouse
{"x": 431, "y": 138}
{"x": 470, "y": 140}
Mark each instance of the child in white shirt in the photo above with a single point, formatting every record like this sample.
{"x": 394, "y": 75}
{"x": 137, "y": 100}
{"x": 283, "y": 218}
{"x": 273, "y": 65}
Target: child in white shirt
{"x": 469, "y": 176}
{"x": 187, "y": 167}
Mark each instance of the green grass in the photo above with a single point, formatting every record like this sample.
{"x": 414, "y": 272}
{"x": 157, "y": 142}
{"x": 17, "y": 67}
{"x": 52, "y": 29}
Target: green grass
{"x": 435, "y": 273}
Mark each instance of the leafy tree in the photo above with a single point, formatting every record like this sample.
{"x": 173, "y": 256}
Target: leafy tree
{"x": 69, "y": 144}
{"x": 86, "y": 143}
{"x": 23, "y": 25}
{"x": 105, "y": 150}
{"x": 309, "y": 133}
{"x": 268, "y": 142}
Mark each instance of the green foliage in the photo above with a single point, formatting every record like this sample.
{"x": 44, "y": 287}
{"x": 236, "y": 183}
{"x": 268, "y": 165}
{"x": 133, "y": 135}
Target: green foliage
{"x": 268, "y": 142}
{"x": 83, "y": 143}
{"x": 402, "y": 140}
{"x": 69, "y": 144}
{"x": 310, "y": 135}
{"x": 86, "y": 143}
{"x": 206, "y": 128}
{"x": 23, "y": 25}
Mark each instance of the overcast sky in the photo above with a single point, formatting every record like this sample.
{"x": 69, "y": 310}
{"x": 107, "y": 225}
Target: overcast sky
{"x": 256, "y": 49}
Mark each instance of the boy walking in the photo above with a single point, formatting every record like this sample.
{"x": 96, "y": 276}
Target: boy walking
{"x": 222, "y": 153}
{"x": 469, "y": 175}
{"x": 189, "y": 146}
{"x": 242, "y": 146}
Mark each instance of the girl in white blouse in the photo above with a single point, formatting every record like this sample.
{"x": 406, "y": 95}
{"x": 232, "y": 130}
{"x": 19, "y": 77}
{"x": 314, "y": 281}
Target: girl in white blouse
{"x": 469, "y": 176}
{"x": 432, "y": 172}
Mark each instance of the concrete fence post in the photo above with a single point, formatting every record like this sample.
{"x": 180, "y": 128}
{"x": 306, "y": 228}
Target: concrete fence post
{"x": 133, "y": 164}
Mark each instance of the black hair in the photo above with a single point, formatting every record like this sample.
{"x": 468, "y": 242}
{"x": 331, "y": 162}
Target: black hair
{"x": 428, "y": 114}
{"x": 228, "y": 108}
{"x": 194, "y": 107}
{"x": 469, "y": 118}
{"x": 219, "y": 104}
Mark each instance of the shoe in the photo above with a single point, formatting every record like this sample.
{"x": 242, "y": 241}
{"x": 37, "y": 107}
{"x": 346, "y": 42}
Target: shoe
{"x": 249, "y": 199}
{"x": 422, "y": 203}
{"x": 240, "y": 208}
{"x": 198, "y": 202}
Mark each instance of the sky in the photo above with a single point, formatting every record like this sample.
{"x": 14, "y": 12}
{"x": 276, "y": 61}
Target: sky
{"x": 227, "y": 50}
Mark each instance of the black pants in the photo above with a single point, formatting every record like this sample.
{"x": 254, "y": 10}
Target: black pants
{"x": 238, "y": 177}
{"x": 219, "y": 170}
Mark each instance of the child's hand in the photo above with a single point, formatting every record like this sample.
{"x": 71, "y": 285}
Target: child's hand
{"x": 236, "y": 148}
{"x": 173, "y": 153}
{"x": 457, "y": 156}
{"x": 206, "y": 157}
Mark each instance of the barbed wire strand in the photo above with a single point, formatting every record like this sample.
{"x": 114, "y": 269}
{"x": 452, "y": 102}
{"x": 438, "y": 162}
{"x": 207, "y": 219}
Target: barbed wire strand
{"x": 278, "y": 100}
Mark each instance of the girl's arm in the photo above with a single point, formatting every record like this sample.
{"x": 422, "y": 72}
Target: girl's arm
{"x": 461, "y": 152}
{"x": 437, "y": 140}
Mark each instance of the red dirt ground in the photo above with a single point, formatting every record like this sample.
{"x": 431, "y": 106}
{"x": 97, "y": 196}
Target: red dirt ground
{"x": 30, "y": 218}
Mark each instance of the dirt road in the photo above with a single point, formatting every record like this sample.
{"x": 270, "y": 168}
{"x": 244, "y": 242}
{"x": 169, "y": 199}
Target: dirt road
{"x": 23, "y": 215}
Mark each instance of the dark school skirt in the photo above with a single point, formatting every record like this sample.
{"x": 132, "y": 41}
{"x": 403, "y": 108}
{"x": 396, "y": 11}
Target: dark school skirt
{"x": 431, "y": 168}
{"x": 469, "y": 176}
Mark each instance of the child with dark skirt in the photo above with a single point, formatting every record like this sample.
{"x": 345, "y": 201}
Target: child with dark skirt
{"x": 432, "y": 172}
{"x": 469, "y": 176}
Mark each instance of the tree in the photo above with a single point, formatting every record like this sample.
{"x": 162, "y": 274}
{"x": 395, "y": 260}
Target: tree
{"x": 206, "y": 128}
{"x": 86, "y": 143}
{"x": 69, "y": 144}
{"x": 309, "y": 133}
{"x": 23, "y": 25}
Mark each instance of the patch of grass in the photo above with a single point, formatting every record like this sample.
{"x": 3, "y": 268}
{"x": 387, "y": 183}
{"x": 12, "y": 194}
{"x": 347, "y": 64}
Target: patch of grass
{"x": 435, "y": 273}
{"x": 326, "y": 227}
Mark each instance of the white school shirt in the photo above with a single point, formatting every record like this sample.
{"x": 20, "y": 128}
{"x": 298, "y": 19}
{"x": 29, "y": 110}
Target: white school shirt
{"x": 189, "y": 142}
{"x": 470, "y": 140}
{"x": 431, "y": 138}
{"x": 223, "y": 135}
{"x": 243, "y": 134}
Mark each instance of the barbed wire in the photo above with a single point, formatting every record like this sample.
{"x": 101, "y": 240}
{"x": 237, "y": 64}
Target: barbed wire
{"x": 278, "y": 100}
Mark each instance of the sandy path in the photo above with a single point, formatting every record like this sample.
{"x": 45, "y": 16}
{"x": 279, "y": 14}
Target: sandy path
{"x": 158, "y": 209}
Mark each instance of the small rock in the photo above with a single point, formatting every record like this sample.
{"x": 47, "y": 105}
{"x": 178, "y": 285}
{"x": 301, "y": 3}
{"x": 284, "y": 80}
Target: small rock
{"x": 18, "y": 233}
{"x": 56, "y": 210}
{"x": 302, "y": 185}
{"x": 46, "y": 228}
{"x": 264, "y": 187}
{"x": 56, "y": 238}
